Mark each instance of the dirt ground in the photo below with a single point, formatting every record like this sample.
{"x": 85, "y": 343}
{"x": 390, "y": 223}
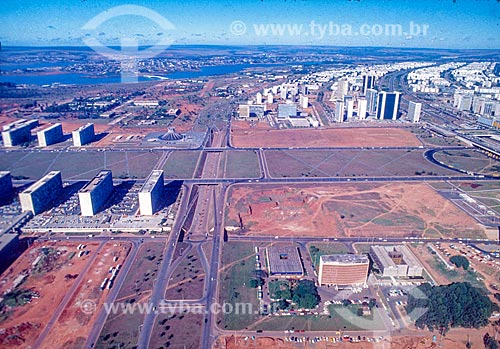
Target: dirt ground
{"x": 333, "y": 137}
{"x": 63, "y": 333}
{"x": 24, "y": 323}
{"x": 454, "y": 339}
{"x": 345, "y": 209}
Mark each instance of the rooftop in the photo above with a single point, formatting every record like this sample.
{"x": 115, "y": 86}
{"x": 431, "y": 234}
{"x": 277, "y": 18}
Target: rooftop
{"x": 83, "y": 127}
{"x": 345, "y": 259}
{"x": 35, "y": 186}
{"x": 96, "y": 181}
{"x": 151, "y": 181}
{"x": 50, "y": 127}
{"x": 284, "y": 260}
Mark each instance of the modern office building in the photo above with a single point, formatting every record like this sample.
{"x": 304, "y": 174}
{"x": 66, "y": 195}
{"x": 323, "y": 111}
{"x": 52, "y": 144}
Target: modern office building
{"x": 396, "y": 261}
{"x": 368, "y": 83}
{"x": 343, "y": 269}
{"x": 251, "y": 111}
{"x": 371, "y": 101}
{"x": 349, "y": 105}
{"x": 342, "y": 88}
{"x": 304, "y": 101}
{"x": 464, "y": 102}
{"x": 6, "y": 189}
{"x": 151, "y": 193}
{"x": 42, "y": 194}
{"x": 83, "y": 135}
{"x": 18, "y": 132}
{"x": 362, "y": 105}
{"x": 258, "y": 98}
{"x": 50, "y": 135}
{"x": 388, "y": 105}
{"x": 284, "y": 261}
{"x": 339, "y": 111}
{"x": 96, "y": 193}
{"x": 414, "y": 110}
{"x": 270, "y": 98}
{"x": 287, "y": 110}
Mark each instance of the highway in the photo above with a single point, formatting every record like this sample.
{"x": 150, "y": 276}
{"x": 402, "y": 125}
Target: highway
{"x": 159, "y": 287}
{"x": 113, "y": 293}
{"x": 212, "y": 288}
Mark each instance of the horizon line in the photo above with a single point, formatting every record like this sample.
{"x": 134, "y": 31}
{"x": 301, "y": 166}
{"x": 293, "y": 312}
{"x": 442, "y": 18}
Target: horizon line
{"x": 258, "y": 46}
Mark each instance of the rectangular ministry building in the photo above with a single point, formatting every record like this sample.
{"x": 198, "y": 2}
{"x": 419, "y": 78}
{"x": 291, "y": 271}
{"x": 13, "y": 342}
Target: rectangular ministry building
{"x": 151, "y": 193}
{"x": 40, "y": 196}
{"x": 18, "y": 132}
{"x": 83, "y": 135}
{"x": 50, "y": 135}
{"x": 95, "y": 193}
{"x": 343, "y": 269}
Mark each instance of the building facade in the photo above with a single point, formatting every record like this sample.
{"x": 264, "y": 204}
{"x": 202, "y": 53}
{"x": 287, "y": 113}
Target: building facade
{"x": 18, "y": 132}
{"x": 96, "y": 193}
{"x": 343, "y": 269}
{"x": 414, "y": 111}
{"x": 50, "y": 135}
{"x": 151, "y": 193}
{"x": 42, "y": 194}
{"x": 83, "y": 135}
{"x": 388, "y": 105}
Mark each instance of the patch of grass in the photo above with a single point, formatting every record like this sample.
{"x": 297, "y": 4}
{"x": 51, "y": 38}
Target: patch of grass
{"x": 316, "y": 250}
{"x": 239, "y": 258}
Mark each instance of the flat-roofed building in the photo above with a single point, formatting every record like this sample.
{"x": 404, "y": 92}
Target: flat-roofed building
{"x": 414, "y": 111}
{"x": 95, "y": 193}
{"x": 50, "y": 135}
{"x": 396, "y": 261}
{"x": 18, "y": 132}
{"x": 42, "y": 194}
{"x": 83, "y": 135}
{"x": 284, "y": 261}
{"x": 6, "y": 189}
{"x": 343, "y": 269}
{"x": 150, "y": 195}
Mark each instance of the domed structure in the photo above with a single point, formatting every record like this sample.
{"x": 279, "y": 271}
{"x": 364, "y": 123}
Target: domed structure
{"x": 172, "y": 136}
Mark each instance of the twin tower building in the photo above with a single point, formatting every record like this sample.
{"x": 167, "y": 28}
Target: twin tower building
{"x": 93, "y": 197}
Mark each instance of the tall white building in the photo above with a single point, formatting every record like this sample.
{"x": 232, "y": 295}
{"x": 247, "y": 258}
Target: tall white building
{"x": 50, "y": 135}
{"x": 339, "y": 111}
{"x": 350, "y": 108}
{"x": 96, "y": 193}
{"x": 304, "y": 101}
{"x": 258, "y": 98}
{"x": 83, "y": 135}
{"x": 414, "y": 110}
{"x": 270, "y": 99}
{"x": 151, "y": 193}
{"x": 362, "y": 104}
{"x": 40, "y": 195}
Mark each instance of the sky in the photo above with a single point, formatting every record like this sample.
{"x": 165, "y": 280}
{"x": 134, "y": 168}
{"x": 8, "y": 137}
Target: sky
{"x": 396, "y": 23}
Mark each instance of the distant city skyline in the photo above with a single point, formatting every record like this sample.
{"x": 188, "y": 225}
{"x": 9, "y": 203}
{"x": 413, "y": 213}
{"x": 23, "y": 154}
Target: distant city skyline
{"x": 448, "y": 24}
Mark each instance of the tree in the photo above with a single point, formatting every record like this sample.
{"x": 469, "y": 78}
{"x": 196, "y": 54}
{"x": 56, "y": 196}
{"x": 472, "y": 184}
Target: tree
{"x": 305, "y": 294}
{"x": 455, "y": 305}
{"x": 460, "y": 262}
{"x": 360, "y": 312}
{"x": 490, "y": 342}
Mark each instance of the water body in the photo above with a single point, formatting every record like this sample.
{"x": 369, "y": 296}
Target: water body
{"x": 85, "y": 79}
